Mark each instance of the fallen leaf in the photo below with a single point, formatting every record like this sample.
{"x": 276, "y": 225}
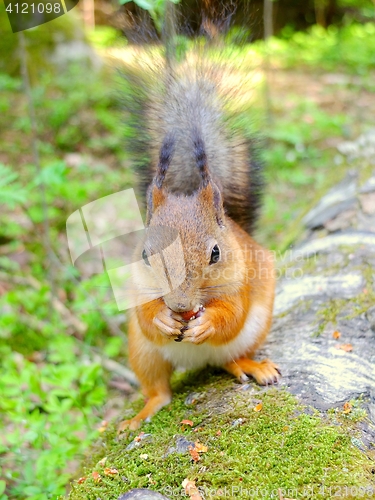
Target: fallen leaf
{"x": 108, "y": 471}
{"x": 345, "y": 347}
{"x": 103, "y": 426}
{"x": 187, "y": 422}
{"x": 347, "y": 408}
{"x": 139, "y": 438}
{"x": 102, "y": 462}
{"x": 144, "y": 456}
{"x": 191, "y": 489}
{"x": 96, "y": 476}
{"x": 194, "y": 454}
{"x": 81, "y": 480}
{"x": 258, "y": 407}
{"x": 218, "y": 433}
{"x": 200, "y": 448}
{"x": 336, "y": 335}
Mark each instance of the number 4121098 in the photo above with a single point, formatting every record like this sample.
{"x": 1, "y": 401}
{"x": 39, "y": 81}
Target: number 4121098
{"x": 32, "y": 8}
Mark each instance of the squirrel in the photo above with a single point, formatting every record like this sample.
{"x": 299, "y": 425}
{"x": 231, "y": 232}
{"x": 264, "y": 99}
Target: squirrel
{"x": 203, "y": 184}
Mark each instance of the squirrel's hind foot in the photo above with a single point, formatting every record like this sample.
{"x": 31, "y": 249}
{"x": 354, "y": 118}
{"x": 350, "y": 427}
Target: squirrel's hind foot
{"x": 132, "y": 424}
{"x": 265, "y": 372}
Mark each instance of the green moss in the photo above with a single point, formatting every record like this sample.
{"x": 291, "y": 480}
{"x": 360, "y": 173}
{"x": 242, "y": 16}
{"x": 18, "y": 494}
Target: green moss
{"x": 277, "y": 447}
{"x": 358, "y": 306}
{"x": 367, "y": 298}
{"x": 331, "y": 309}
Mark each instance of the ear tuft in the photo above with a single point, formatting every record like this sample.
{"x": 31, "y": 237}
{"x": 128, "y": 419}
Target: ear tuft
{"x": 155, "y": 193}
{"x": 165, "y": 157}
{"x": 201, "y": 158}
{"x": 209, "y": 191}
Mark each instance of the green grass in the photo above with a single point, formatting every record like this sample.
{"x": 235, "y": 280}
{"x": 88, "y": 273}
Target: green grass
{"x": 348, "y": 48}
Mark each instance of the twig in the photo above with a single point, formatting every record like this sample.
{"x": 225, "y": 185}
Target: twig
{"x": 113, "y": 366}
{"x": 268, "y": 19}
{"x": 7, "y": 249}
{"x": 268, "y": 32}
{"x": 34, "y": 140}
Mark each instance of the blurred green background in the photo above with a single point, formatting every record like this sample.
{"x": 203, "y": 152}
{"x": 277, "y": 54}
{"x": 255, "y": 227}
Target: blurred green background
{"x": 61, "y": 357}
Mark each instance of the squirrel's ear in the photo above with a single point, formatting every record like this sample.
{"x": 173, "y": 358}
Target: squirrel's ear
{"x": 155, "y": 198}
{"x": 209, "y": 191}
{"x": 210, "y": 195}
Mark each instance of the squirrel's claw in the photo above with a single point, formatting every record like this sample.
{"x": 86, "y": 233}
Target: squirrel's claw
{"x": 265, "y": 372}
{"x": 167, "y": 325}
{"x": 199, "y": 330}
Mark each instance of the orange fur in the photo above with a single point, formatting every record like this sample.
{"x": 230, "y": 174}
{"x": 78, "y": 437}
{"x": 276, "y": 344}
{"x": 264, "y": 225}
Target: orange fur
{"x": 221, "y": 322}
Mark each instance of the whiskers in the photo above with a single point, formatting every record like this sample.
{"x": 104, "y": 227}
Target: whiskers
{"x": 214, "y": 291}
{"x": 146, "y": 291}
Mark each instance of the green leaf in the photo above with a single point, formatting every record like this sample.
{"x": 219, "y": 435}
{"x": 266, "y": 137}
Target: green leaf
{"x": 53, "y": 174}
{"x": 11, "y": 193}
{"x": 113, "y": 346}
{"x": 144, "y": 4}
{"x": 2, "y": 486}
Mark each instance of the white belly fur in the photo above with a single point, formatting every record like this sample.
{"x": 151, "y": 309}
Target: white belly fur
{"x": 191, "y": 356}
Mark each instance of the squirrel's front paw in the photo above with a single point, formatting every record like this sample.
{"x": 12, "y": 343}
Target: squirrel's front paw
{"x": 199, "y": 330}
{"x": 168, "y": 325}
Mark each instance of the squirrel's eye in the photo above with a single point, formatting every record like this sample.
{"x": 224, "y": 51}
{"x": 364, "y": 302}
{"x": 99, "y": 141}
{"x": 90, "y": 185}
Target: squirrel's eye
{"x": 215, "y": 255}
{"x": 145, "y": 258}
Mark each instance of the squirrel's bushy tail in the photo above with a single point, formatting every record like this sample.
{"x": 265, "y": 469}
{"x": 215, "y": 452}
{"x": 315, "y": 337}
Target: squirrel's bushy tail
{"x": 193, "y": 97}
